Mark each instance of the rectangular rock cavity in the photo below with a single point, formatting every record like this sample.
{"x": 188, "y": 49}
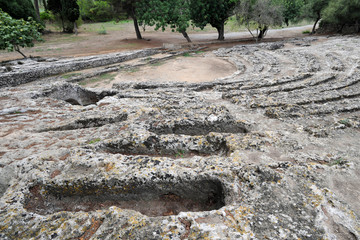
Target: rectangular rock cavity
{"x": 153, "y": 199}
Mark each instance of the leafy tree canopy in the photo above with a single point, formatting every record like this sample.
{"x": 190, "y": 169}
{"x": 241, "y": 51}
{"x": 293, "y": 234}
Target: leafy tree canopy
{"x": 71, "y": 10}
{"x": 313, "y": 10}
{"x": 171, "y": 13}
{"x": 67, "y": 11}
{"x": 16, "y": 33}
{"x": 97, "y": 11}
{"x": 343, "y": 12}
{"x": 130, "y": 8}
{"x": 258, "y": 14}
{"x": 213, "y": 12}
{"x": 291, "y": 9}
{"x": 18, "y": 8}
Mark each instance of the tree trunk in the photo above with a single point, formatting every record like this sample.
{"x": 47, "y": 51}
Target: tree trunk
{"x": 136, "y": 25}
{"x": 184, "y": 33}
{"x": 341, "y": 28}
{"x": 220, "y": 30}
{"x": 75, "y": 27}
{"x": 18, "y": 50}
{"x": 37, "y": 10}
{"x": 262, "y": 33}
{"x": 314, "y": 27}
{"x": 45, "y": 5}
{"x": 137, "y": 30}
{"x": 286, "y": 22}
{"x": 62, "y": 22}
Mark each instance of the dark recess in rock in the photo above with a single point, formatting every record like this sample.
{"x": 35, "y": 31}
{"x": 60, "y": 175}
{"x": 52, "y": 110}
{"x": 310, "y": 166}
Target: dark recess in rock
{"x": 171, "y": 147}
{"x": 77, "y": 95}
{"x": 196, "y": 128}
{"x": 89, "y": 122}
{"x": 156, "y": 198}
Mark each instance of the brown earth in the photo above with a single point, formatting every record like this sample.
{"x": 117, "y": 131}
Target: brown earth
{"x": 91, "y": 43}
{"x": 179, "y": 69}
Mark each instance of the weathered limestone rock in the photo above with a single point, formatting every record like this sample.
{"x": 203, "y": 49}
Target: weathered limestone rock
{"x": 27, "y": 70}
{"x": 270, "y": 152}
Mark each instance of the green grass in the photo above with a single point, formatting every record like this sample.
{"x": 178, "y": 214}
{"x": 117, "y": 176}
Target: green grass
{"x": 306, "y": 32}
{"x": 48, "y": 49}
{"x": 107, "y": 77}
{"x": 102, "y": 31}
{"x": 157, "y": 64}
{"x": 69, "y": 75}
{"x": 132, "y": 69}
{"x": 187, "y": 55}
{"x": 338, "y": 162}
{"x": 232, "y": 25}
{"x": 95, "y": 140}
{"x": 109, "y": 26}
{"x": 345, "y": 121}
{"x": 180, "y": 154}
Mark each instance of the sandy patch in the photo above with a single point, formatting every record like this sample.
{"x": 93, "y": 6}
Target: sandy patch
{"x": 181, "y": 69}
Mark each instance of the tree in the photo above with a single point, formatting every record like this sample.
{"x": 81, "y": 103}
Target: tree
{"x": 213, "y": 12}
{"x": 45, "y": 5}
{"x": 172, "y": 13}
{"x": 258, "y": 14}
{"x": 343, "y": 12}
{"x": 71, "y": 11}
{"x": 18, "y": 8}
{"x": 68, "y": 12}
{"x": 37, "y": 10}
{"x": 291, "y": 9}
{"x": 313, "y": 10}
{"x": 129, "y": 7}
{"x": 97, "y": 11}
{"x": 16, "y": 33}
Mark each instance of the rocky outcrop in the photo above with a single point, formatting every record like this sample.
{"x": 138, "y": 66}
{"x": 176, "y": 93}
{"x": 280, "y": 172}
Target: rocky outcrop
{"x": 27, "y": 70}
{"x": 271, "y": 152}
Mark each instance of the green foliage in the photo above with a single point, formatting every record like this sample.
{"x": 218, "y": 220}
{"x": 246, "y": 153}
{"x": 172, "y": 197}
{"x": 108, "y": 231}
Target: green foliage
{"x": 66, "y": 11}
{"x": 47, "y": 16}
{"x": 55, "y": 6}
{"x": 291, "y": 9}
{"x": 313, "y": 10}
{"x": 95, "y": 140}
{"x": 180, "y": 154}
{"x": 338, "y": 162}
{"x": 70, "y": 10}
{"x": 102, "y": 31}
{"x": 18, "y": 8}
{"x": 345, "y": 121}
{"x": 342, "y": 12}
{"x": 213, "y": 12}
{"x": 16, "y": 33}
{"x": 129, "y": 7}
{"x": 258, "y": 15}
{"x": 125, "y": 6}
{"x": 171, "y": 13}
{"x": 96, "y": 10}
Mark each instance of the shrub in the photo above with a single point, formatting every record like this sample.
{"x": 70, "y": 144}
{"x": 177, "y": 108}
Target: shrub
{"x": 96, "y": 11}
{"x": 18, "y": 8}
{"x": 47, "y": 16}
{"x": 16, "y": 33}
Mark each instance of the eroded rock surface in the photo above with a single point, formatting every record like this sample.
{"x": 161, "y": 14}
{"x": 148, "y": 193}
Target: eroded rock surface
{"x": 270, "y": 152}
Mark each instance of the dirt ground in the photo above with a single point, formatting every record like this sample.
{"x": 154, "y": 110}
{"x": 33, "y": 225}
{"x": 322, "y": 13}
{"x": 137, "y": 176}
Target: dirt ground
{"x": 91, "y": 43}
{"x": 179, "y": 69}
